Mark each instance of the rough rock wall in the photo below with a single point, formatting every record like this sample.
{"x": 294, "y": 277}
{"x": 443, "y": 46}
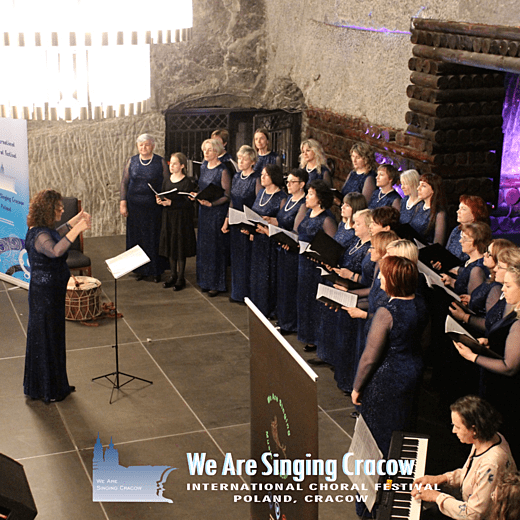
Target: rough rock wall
{"x": 222, "y": 65}
{"x": 354, "y": 71}
{"x": 86, "y": 159}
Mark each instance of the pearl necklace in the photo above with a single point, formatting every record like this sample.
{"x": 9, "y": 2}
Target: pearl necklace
{"x": 379, "y": 196}
{"x": 242, "y": 175}
{"x": 267, "y": 201}
{"x": 145, "y": 164}
{"x": 287, "y": 208}
{"x": 356, "y": 247}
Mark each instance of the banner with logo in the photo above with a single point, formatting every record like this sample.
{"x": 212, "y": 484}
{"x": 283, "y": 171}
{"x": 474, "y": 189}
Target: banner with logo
{"x": 14, "y": 201}
{"x": 284, "y": 426}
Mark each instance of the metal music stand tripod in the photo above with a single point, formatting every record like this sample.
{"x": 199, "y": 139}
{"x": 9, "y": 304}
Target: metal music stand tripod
{"x": 116, "y": 384}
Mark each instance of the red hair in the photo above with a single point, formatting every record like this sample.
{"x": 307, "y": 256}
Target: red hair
{"x": 400, "y": 275}
{"x": 477, "y": 206}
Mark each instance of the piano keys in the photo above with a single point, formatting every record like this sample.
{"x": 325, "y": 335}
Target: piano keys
{"x": 395, "y": 495}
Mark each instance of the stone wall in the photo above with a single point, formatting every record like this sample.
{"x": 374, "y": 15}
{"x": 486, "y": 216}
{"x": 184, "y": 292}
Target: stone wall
{"x": 223, "y": 65}
{"x": 245, "y": 54}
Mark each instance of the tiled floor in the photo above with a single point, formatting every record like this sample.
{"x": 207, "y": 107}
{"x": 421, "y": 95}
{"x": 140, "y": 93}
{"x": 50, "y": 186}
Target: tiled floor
{"x": 195, "y": 350}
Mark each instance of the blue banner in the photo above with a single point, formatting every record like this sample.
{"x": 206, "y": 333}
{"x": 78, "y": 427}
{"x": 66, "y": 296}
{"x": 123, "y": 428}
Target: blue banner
{"x": 14, "y": 201}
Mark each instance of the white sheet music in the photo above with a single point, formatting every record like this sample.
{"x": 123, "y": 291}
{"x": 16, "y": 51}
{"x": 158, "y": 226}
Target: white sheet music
{"x": 274, "y": 230}
{"x": 344, "y": 298}
{"x": 432, "y": 278}
{"x": 452, "y": 326}
{"x": 364, "y": 447}
{"x": 237, "y": 217}
{"x": 164, "y": 192}
{"x": 128, "y": 261}
{"x": 254, "y": 217}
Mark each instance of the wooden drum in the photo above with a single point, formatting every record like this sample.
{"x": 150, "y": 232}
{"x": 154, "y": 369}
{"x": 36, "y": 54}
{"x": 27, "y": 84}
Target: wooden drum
{"x": 82, "y": 298}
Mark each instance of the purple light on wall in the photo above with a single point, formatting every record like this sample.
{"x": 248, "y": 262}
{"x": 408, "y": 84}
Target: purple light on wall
{"x": 383, "y": 30}
{"x": 510, "y": 169}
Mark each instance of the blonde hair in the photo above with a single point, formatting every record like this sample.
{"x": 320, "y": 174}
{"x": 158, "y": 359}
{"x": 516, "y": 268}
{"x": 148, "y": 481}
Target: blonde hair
{"x": 411, "y": 177}
{"x": 404, "y": 248}
{"x": 215, "y": 144}
{"x": 509, "y": 256}
{"x": 316, "y": 147}
{"x": 366, "y": 214}
{"x": 248, "y": 152}
{"x": 381, "y": 240}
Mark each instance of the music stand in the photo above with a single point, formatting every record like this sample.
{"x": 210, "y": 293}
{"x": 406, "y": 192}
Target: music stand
{"x": 119, "y": 266}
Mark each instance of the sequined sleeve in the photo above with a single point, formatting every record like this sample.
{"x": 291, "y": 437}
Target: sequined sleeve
{"x": 47, "y": 246}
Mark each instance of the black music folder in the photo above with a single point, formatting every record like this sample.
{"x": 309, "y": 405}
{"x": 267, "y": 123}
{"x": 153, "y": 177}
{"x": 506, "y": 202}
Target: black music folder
{"x": 436, "y": 253}
{"x": 210, "y": 193}
{"x": 458, "y": 333}
{"x": 284, "y": 237}
{"x": 325, "y": 249}
{"x": 335, "y": 278}
{"x": 409, "y": 233}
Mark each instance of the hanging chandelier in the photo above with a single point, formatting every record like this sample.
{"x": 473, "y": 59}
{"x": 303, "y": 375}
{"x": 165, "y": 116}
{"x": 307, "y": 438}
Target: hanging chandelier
{"x": 83, "y": 59}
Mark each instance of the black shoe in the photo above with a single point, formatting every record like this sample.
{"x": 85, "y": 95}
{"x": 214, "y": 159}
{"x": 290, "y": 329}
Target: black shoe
{"x": 156, "y": 279}
{"x": 309, "y": 348}
{"x": 212, "y": 293}
{"x": 284, "y": 332}
{"x": 354, "y": 415}
{"x": 139, "y": 277}
{"x": 169, "y": 283}
{"x": 317, "y": 362}
{"x": 179, "y": 286}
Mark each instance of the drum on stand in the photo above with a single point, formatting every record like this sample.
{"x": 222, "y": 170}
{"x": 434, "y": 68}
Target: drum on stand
{"x": 82, "y": 301}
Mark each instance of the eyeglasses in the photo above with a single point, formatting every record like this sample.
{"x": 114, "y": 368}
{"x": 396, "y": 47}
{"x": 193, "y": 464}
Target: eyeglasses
{"x": 292, "y": 182}
{"x": 465, "y": 239}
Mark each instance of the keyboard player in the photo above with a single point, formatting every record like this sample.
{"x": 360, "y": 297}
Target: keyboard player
{"x": 475, "y": 422}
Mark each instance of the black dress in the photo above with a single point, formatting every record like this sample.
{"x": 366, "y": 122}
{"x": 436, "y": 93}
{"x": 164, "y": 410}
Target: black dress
{"x": 178, "y": 231}
{"x": 45, "y": 374}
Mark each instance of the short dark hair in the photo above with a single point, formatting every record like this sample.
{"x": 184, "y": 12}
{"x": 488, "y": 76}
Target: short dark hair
{"x": 480, "y": 233}
{"x": 400, "y": 275}
{"x": 323, "y": 192}
{"x": 222, "y": 133}
{"x": 275, "y": 172}
{"x": 393, "y": 173}
{"x": 479, "y": 415}
{"x": 302, "y": 174}
{"x": 386, "y": 216}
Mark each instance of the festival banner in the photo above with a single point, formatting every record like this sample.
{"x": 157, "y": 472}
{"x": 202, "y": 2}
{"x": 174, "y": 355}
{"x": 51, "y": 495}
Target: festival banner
{"x": 14, "y": 201}
{"x": 284, "y": 426}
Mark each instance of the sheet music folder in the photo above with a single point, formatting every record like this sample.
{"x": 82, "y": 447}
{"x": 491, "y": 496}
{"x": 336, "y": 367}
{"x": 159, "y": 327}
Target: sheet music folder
{"x": 335, "y": 278}
{"x": 335, "y": 297}
{"x": 210, "y": 193}
{"x": 325, "y": 249}
{"x": 126, "y": 262}
{"x": 458, "y": 333}
{"x": 284, "y": 237}
{"x": 436, "y": 253}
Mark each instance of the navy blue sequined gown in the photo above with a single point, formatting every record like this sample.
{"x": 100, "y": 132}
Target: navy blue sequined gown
{"x": 420, "y": 222}
{"x": 356, "y": 181}
{"x": 243, "y": 193}
{"x": 323, "y": 175}
{"x": 308, "y": 279}
{"x": 143, "y": 224}
{"x": 379, "y": 200}
{"x": 464, "y": 273}
{"x": 406, "y": 214}
{"x": 287, "y": 270}
{"x": 390, "y": 368}
{"x": 346, "y": 329}
{"x": 454, "y": 246}
{"x": 328, "y": 318}
{"x": 212, "y": 244}
{"x": 263, "y": 255}
{"x": 262, "y": 161}
{"x": 45, "y": 359}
